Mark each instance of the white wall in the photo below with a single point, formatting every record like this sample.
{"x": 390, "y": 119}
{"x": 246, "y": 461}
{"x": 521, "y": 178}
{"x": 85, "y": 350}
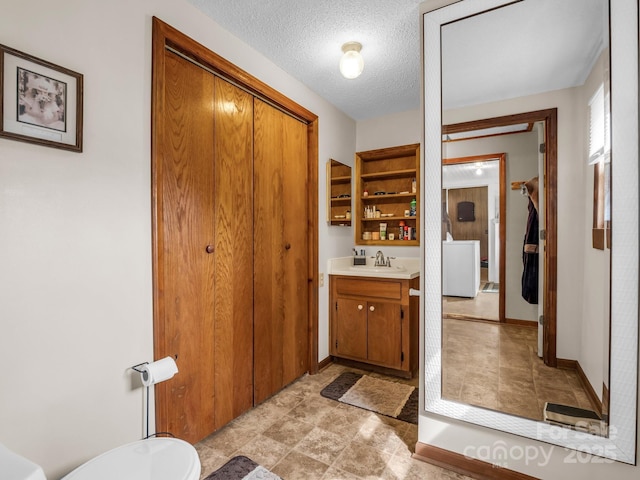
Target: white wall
{"x": 597, "y": 263}
{"x": 75, "y": 235}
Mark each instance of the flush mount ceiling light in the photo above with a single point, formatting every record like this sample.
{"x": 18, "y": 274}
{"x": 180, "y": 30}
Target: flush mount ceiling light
{"x": 351, "y": 63}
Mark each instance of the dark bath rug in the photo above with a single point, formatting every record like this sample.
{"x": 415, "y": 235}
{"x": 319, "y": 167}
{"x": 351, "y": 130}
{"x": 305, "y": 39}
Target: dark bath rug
{"x": 242, "y": 468}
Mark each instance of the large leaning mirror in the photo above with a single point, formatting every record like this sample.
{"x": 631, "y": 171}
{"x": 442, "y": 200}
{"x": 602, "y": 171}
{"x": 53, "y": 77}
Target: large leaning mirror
{"x": 491, "y": 96}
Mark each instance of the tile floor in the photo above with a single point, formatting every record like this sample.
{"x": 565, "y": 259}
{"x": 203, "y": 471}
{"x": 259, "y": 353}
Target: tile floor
{"x": 496, "y": 366}
{"x": 298, "y": 434}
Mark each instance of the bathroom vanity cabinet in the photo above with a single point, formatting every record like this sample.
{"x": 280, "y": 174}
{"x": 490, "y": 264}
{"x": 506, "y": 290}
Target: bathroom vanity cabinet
{"x": 374, "y": 321}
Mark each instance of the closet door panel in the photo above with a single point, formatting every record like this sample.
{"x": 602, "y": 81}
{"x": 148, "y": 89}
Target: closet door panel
{"x": 268, "y": 252}
{"x": 233, "y": 279}
{"x": 185, "y": 271}
{"x": 295, "y": 234}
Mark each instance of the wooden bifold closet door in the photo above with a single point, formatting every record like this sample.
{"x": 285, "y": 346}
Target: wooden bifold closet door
{"x": 231, "y": 243}
{"x": 280, "y": 249}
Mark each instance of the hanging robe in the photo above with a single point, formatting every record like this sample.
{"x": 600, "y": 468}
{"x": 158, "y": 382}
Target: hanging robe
{"x": 530, "y": 257}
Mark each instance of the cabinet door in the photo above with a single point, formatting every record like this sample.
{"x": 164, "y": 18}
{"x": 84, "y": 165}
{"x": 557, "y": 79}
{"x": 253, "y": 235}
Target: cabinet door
{"x": 351, "y": 329}
{"x": 384, "y": 338}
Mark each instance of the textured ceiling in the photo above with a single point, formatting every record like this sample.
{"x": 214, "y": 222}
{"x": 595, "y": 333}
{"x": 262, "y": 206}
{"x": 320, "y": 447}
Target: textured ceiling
{"x": 304, "y": 38}
{"x": 530, "y": 47}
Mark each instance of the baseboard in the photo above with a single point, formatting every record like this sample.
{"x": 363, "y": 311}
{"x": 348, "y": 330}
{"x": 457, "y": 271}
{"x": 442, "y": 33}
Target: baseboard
{"x": 470, "y": 318}
{"x": 596, "y": 403}
{"x": 324, "y": 363}
{"x": 522, "y": 323}
{"x": 464, "y": 465}
{"x": 373, "y": 368}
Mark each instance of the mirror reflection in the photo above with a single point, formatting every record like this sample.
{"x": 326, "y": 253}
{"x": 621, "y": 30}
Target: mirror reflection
{"x": 338, "y": 193}
{"x": 498, "y": 179}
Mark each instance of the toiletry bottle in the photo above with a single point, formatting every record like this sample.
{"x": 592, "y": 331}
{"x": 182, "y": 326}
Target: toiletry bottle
{"x": 412, "y": 210}
{"x": 413, "y": 186}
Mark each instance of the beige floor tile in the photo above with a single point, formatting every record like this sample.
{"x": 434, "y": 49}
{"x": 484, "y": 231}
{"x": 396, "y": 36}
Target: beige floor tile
{"x": 228, "y": 440}
{"x": 381, "y": 436}
{"x": 362, "y": 460}
{"x": 342, "y": 423}
{"x": 524, "y": 383}
{"x": 313, "y": 410}
{"x": 480, "y": 395}
{"x": 261, "y": 417}
{"x": 300, "y": 434}
{"x": 264, "y": 450}
{"x": 209, "y": 459}
{"x": 298, "y": 466}
{"x": 322, "y": 445}
{"x": 288, "y": 430}
{"x": 336, "y": 474}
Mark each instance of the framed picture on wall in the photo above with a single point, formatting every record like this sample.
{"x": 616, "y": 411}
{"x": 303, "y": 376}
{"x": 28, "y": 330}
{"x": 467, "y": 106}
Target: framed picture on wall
{"x": 41, "y": 102}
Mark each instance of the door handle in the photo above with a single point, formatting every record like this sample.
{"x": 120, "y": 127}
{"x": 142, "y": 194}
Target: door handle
{"x": 372, "y": 308}
{"x": 210, "y": 249}
{"x": 287, "y": 246}
{"x": 360, "y": 307}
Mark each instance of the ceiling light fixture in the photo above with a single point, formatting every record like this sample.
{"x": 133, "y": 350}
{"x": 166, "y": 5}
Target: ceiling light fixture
{"x": 351, "y": 63}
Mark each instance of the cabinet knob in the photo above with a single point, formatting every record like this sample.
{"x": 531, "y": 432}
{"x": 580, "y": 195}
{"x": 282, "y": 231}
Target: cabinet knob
{"x": 360, "y": 307}
{"x": 372, "y": 308}
{"x": 210, "y": 248}
{"x": 287, "y": 246}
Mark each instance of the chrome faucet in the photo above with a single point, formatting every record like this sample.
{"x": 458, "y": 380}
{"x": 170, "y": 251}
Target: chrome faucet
{"x": 380, "y": 262}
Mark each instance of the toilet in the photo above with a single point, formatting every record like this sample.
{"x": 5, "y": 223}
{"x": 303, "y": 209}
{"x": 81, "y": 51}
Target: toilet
{"x": 156, "y": 458}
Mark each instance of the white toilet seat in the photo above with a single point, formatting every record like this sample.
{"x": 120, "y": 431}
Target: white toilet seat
{"x": 15, "y": 466}
{"x": 153, "y": 458}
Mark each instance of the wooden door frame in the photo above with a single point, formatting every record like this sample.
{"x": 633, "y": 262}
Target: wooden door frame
{"x": 165, "y": 36}
{"x": 550, "y": 182}
{"x": 502, "y": 159}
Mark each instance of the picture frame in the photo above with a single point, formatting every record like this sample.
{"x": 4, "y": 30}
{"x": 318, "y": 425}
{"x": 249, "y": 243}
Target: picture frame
{"x": 40, "y": 102}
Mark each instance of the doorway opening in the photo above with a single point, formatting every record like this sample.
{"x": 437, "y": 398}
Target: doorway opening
{"x": 474, "y": 240}
{"x": 548, "y": 217}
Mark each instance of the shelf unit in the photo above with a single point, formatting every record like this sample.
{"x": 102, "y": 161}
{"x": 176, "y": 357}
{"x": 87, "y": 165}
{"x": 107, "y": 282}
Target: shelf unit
{"x": 386, "y": 175}
{"x": 339, "y": 193}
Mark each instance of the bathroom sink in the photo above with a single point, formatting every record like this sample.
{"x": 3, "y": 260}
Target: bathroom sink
{"x": 373, "y": 269}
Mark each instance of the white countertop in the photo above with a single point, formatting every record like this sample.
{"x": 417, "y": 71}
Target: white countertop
{"x": 401, "y": 267}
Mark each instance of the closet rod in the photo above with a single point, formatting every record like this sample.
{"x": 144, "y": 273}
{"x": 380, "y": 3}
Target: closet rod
{"x": 235, "y": 84}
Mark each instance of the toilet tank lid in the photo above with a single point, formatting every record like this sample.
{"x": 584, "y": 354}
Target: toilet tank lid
{"x": 17, "y": 467}
{"x": 157, "y": 458}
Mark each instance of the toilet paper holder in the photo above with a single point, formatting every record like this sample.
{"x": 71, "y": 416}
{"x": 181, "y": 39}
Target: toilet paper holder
{"x": 166, "y": 374}
{"x": 155, "y": 372}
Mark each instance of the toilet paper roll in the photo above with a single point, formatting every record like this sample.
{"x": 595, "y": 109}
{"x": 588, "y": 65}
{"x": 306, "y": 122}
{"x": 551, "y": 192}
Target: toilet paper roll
{"x": 158, "y": 371}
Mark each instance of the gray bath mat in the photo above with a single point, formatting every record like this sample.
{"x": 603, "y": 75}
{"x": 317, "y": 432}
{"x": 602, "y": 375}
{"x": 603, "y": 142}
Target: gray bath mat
{"x": 242, "y": 468}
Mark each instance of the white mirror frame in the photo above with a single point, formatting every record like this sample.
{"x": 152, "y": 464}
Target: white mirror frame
{"x": 621, "y": 444}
